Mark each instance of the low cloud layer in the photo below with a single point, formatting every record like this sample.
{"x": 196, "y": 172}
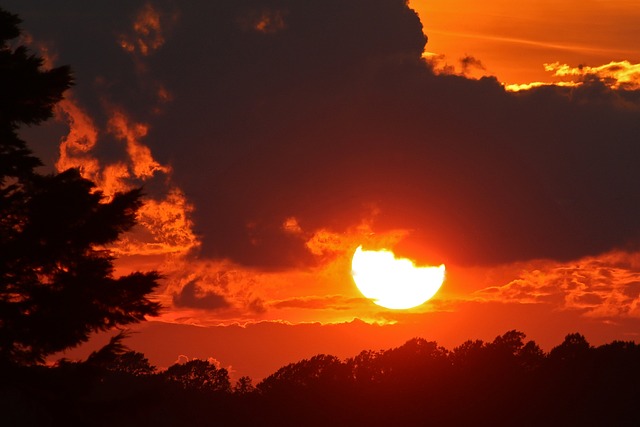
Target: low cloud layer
{"x": 607, "y": 287}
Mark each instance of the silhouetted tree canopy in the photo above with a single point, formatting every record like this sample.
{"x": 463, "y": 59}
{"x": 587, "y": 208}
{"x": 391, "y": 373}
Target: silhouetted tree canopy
{"x": 505, "y": 382}
{"x": 508, "y": 381}
{"x": 57, "y": 282}
{"x": 117, "y": 357}
{"x": 574, "y": 348}
{"x": 199, "y": 375}
{"x": 243, "y": 386}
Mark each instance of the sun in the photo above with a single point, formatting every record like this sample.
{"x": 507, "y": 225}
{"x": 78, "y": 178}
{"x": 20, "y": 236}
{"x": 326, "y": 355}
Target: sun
{"x": 394, "y": 283}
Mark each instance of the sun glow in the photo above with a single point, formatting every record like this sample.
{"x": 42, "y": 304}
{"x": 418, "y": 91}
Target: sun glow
{"x": 394, "y": 283}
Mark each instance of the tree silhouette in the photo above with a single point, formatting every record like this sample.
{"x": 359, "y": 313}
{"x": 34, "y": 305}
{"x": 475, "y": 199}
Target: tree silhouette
{"x": 364, "y": 368}
{"x": 418, "y": 383}
{"x": 243, "y": 386}
{"x": 574, "y": 348}
{"x": 108, "y": 354}
{"x": 467, "y": 354}
{"x": 199, "y": 375}
{"x": 117, "y": 358}
{"x": 56, "y": 279}
{"x": 415, "y": 356}
{"x": 132, "y": 363}
{"x": 320, "y": 371}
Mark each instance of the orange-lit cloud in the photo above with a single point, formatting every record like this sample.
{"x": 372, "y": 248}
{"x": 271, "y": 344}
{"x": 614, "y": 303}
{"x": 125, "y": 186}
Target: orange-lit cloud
{"x": 163, "y": 94}
{"x": 164, "y": 223}
{"x": 607, "y": 286}
{"x": 325, "y": 242}
{"x": 142, "y": 163}
{"x": 290, "y": 225}
{"x": 77, "y": 150}
{"x": 169, "y": 220}
{"x": 147, "y": 32}
{"x": 266, "y": 21}
{"x": 616, "y": 74}
{"x": 228, "y": 292}
{"x": 328, "y": 302}
{"x": 527, "y": 86}
{"x": 76, "y": 147}
{"x": 208, "y": 292}
{"x": 165, "y": 226}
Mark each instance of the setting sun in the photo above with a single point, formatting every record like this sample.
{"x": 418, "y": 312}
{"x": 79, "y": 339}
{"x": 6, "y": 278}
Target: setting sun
{"x": 394, "y": 283}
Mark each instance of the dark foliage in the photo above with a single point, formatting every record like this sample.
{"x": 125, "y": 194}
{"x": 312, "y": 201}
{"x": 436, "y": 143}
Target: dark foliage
{"x": 56, "y": 280}
{"x": 506, "y": 382}
{"x": 199, "y": 375}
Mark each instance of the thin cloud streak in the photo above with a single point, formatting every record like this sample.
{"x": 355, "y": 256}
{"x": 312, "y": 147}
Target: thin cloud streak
{"x": 537, "y": 43}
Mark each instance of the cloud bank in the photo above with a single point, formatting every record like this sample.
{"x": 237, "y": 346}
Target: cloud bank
{"x": 281, "y": 125}
{"x": 333, "y": 112}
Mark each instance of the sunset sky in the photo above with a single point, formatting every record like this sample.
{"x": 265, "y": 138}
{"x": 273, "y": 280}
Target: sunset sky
{"x": 274, "y": 137}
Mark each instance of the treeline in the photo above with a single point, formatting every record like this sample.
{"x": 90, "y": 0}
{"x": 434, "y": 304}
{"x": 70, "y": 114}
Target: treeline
{"x": 506, "y": 382}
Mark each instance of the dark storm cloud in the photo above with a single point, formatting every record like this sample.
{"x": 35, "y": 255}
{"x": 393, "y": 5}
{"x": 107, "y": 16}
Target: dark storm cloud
{"x": 192, "y": 296}
{"x": 319, "y": 110}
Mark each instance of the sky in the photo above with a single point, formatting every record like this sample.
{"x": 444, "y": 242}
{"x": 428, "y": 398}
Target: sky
{"x": 272, "y": 138}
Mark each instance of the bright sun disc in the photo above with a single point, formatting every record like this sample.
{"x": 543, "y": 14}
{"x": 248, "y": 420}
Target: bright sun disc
{"x": 394, "y": 283}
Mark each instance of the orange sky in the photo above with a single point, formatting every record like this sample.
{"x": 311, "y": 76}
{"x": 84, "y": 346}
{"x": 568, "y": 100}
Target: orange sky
{"x": 514, "y": 40}
{"x": 229, "y": 309}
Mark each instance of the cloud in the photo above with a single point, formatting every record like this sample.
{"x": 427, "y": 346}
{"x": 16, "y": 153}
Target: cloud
{"x": 616, "y": 74}
{"x": 274, "y": 137}
{"x": 321, "y": 134}
{"x": 164, "y": 220}
{"x": 322, "y": 110}
{"x": 142, "y": 163}
{"x": 468, "y": 62}
{"x": 164, "y": 223}
{"x": 234, "y": 293}
{"x": 193, "y": 296}
{"x": 517, "y": 87}
{"x": 329, "y": 302}
{"x": 147, "y": 32}
{"x": 76, "y": 146}
{"x": 604, "y": 287}
{"x": 265, "y": 20}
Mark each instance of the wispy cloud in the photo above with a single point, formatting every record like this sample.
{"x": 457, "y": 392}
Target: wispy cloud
{"x": 147, "y": 31}
{"x": 165, "y": 225}
{"x": 607, "y": 286}
{"x": 616, "y": 74}
{"x": 553, "y": 45}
